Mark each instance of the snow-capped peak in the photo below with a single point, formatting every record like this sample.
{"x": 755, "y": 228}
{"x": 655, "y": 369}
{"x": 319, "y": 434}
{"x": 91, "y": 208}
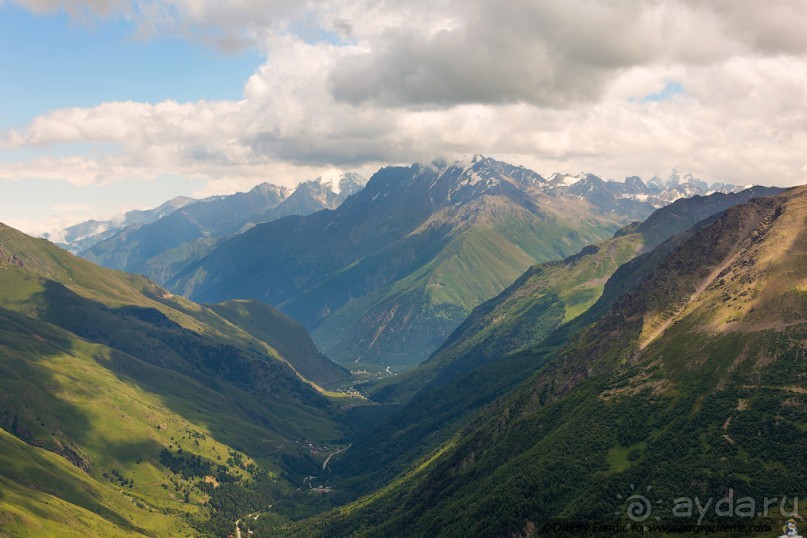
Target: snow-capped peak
{"x": 336, "y": 180}
{"x": 468, "y": 161}
{"x": 678, "y": 181}
{"x": 566, "y": 180}
{"x": 671, "y": 181}
{"x": 332, "y": 186}
{"x": 332, "y": 179}
{"x": 269, "y": 188}
{"x": 354, "y": 177}
{"x": 78, "y": 232}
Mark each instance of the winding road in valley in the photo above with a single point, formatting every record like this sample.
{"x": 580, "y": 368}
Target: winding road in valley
{"x": 328, "y": 459}
{"x": 254, "y": 515}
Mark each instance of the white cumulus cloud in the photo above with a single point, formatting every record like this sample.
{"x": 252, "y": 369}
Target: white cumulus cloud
{"x": 557, "y": 85}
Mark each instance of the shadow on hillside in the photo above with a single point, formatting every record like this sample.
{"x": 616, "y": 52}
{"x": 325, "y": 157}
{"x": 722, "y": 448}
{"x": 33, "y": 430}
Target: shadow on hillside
{"x": 244, "y": 398}
{"x": 33, "y": 412}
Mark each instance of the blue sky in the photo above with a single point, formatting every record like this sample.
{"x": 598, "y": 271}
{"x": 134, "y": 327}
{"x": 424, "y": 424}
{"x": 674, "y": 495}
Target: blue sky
{"x": 670, "y": 90}
{"x": 49, "y": 61}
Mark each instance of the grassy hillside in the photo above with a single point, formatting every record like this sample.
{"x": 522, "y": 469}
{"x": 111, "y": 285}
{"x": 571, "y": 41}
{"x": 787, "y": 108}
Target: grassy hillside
{"x": 548, "y": 295}
{"x": 286, "y": 336}
{"x": 388, "y": 275}
{"x": 692, "y": 384}
{"x": 465, "y": 256}
{"x": 119, "y": 399}
{"x": 44, "y": 495}
{"x": 441, "y": 396}
{"x": 539, "y": 302}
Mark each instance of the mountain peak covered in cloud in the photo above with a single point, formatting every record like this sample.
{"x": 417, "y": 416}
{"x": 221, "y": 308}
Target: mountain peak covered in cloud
{"x": 337, "y": 181}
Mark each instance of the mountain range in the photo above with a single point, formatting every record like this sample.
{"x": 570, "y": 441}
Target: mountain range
{"x": 506, "y": 340}
{"x": 462, "y": 232}
{"x": 388, "y": 275}
{"x": 685, "y": 379}
{"x": 548, "y": 295}
{"x": 656, "y": 348}
{"x": 149, "y": 242}
{"x": 83, "y": 235}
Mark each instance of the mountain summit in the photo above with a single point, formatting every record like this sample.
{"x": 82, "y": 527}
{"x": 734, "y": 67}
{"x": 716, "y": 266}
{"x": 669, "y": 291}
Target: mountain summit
{"x": 82, "y": 236}
{"x": 401, "y": 259}
{"x": 390, "y": 273}
{"x": 154, "y": 246}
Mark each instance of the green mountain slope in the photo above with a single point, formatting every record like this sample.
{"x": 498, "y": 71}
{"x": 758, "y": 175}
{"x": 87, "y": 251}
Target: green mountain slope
{"x": 384, "y": 278}
{"x": 142, "y": 395}
{"x": 692, "y": 384}
{"x": 472, "y": 253}
{"x": 442, "y": 404}
{"x": 44, "y": 495}
{"x": 548, "y": 295}
{"x": 286, "y": 336}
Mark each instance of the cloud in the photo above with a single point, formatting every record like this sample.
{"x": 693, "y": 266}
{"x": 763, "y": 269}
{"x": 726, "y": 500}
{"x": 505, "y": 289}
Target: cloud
{"x": 553, "y": 53}
{"x": 570, "y": 85}
{"x": 60, "y": 216}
